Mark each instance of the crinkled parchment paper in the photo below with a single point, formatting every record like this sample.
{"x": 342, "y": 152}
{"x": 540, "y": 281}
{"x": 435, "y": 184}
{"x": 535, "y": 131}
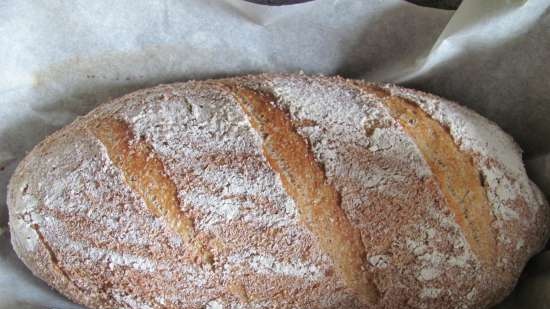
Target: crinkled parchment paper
{"x": 59, "y": 59}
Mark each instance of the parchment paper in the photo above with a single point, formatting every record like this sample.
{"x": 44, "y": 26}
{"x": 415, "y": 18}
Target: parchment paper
{"x": 59, "y": 59}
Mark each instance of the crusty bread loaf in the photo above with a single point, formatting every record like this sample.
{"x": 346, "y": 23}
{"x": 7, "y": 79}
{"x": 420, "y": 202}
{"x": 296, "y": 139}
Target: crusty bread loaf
{"x": 277, "y": 191}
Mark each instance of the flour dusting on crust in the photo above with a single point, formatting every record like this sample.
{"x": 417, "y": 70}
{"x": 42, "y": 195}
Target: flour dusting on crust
{"x": 518, "y": 211}
{"x": 78, "y": 225}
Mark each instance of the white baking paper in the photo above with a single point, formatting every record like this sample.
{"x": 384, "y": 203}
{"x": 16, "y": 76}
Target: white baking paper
{"x": 59, "y": 59}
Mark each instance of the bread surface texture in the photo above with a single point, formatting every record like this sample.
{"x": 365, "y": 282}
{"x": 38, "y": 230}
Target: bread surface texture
{"x": 277, "y": 191}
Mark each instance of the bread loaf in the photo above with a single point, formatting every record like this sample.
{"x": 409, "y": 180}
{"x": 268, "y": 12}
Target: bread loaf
{"x": 277, "y": 191}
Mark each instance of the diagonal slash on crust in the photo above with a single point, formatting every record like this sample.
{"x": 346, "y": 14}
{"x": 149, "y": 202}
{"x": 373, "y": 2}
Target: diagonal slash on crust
{"x": 144, "y": 173}
{"x": 455, "y": 171}
{"x": 290, "y": 156}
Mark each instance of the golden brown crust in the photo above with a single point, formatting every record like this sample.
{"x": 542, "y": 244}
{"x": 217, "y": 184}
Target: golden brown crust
{"x": 304, "y": 180}
{"x": 144, "y": 173}
{"x": 458, "y": 178}
{"x": 242, "y": 194}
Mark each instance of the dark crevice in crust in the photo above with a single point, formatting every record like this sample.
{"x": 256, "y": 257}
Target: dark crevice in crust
{"x": 53, "y": 258}
{"x": 303, "y": 178}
